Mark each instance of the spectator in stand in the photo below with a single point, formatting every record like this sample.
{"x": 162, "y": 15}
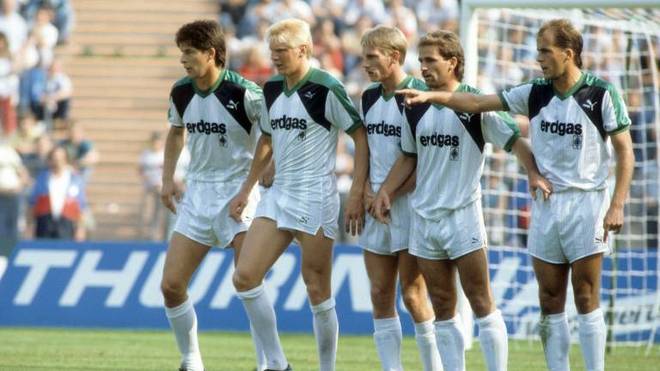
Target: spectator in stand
{"x": 43, "y": 36}
{"x": 13, "y": 179}
{"x": 56, "y": 97}
{"x": 13, "y": 26}
{"x": 436, "y": 14}
{"x": 151, "y": 172}
{"x": 36, "y": 162}
{"x": 24, "y": 139}
{"x": 256, "y": 66}
{"x": 8, "y": 87}
{"x": 63, "y": 15}
{"x": 80, "y": 150}
{"x": 58, "y": 200}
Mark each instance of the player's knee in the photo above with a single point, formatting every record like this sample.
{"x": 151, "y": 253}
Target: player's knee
{"x": 413, "y": 298}
{"x": 585, "y": 302}
{"x": 551, "y": 303}
{"x": 243, "y": 280}
{"x": 382, "y": 297}
{"x": 172, "y": 290}
{"x": 482, "y": 306}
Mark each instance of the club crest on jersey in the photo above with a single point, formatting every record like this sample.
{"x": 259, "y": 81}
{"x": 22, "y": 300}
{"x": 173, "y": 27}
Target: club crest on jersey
{"x": 589, "y": 104}
{"x": 453, "y": 154}
{"x": 223, "y": 140}
{"x": 301, "y": 136}
{"x": 577, "y": 141}
{"x": 232, "y": 105}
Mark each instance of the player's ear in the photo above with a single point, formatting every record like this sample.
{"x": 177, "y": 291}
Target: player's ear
{"x": 570, "y": 55}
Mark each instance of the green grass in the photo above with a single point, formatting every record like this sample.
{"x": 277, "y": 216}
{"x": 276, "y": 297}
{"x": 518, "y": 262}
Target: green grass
{"x": 74, "y": 349}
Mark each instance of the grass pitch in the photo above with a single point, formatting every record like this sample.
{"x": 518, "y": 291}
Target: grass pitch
{"x": 75, "y": 349}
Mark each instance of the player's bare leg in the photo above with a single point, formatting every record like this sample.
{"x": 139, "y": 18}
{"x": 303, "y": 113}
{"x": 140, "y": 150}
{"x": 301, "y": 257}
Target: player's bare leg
{"x": 440, "y": 281}
{"x": 382, "y": 272}
{"x": 586, "y": 278}
{"x": 415, "y": 298}
{"x": 263, "y": 244}
{"x": 183, "y": 257}
{"x": 555, "y": 336}
{"x": 317, "y": 273}
{"x": 236, "y": 244}
{"x": 493, "y": 337}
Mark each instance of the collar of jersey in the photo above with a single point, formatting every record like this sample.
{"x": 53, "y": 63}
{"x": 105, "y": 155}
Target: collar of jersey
{"x": 572, "y": 90}
{"x": 213, "y": 87}
{"x": 289, "y": 92}
{"x": 400, "y": 85}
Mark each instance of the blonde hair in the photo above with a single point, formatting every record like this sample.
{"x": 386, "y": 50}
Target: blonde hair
{"x": 292, "y": 33}
{"x": 386, "y": 39}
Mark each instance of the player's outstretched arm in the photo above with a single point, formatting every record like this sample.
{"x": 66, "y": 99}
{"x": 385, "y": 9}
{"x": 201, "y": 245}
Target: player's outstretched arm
{"x": 262, "y": 155}
{"x": 463, "y": 102}
{"x": 354, "y": 212}
{"x": 401, "y": 171}
{"x": 173, "y": 146}
{"x": 537, "y": 183}
{"x": 625, "y": 162}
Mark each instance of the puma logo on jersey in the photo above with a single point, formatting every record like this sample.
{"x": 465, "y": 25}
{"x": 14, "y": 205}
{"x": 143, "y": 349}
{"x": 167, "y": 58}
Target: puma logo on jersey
{"x": 232, "y": 105}
{"x": 308, "y": 95}
{"x": 467, "y": 116}
{"x": 589, "y": 104}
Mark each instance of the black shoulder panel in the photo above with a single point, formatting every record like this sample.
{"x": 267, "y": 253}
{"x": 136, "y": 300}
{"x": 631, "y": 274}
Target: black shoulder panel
{"x": 539, "y": 97}
{"x": 369, "y": 97}
{"x": 232, "y": 96}
{"x": 472, "y": 123}
{"x": 313, "y": 96}
{"x": 181, "y": 96}
{"x": 590, "y": 99}
{"x": 272, "y": 89}
{"x": 414, "y": 114}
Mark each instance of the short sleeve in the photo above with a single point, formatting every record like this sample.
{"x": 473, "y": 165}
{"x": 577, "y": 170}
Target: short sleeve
{"x": 173, "y": 115}
{"x": 255, "y": 106}
{"x": 516, "y": 99}
{"x": 615, "y": 114}
{"x": 500, "y": 129}
{"x": 340, "y": 111}
{"x": 408, "y": 140}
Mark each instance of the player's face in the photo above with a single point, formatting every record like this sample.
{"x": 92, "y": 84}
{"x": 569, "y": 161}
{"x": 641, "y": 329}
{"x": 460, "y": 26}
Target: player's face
{"x": 378, "y": 65}
{"x": 436, "y": 70}
{"x": 196, "y": 62}
{"x": 552, "y": 59}
{"x": 287, "y": 59}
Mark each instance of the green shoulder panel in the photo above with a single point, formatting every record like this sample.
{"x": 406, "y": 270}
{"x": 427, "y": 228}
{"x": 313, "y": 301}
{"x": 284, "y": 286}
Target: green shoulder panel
{"x": 322, "y": 77}
{"x": 182, "y": 81}
{"x": 242, "y": 81}
{"x": 418, "y": 84}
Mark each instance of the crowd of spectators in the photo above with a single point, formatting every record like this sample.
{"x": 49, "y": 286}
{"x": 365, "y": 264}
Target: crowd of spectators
{"x": 42, "y": 180}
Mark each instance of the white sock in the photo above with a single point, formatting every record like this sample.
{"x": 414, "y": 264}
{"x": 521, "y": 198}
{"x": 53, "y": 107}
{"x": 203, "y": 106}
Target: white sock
{"x": 183, "y": 321}
{"x": 387, "y": 336}
{"x": 556, "y": 340}
{"x": 258, "y": 350}
{"x": 428, "y": 350}
{"x": 326, "y": 331}
{"x": 494, "y": 341}
{"x": 262, "y": 319}
{"x": 593, "y": 335}
{"x": 451, "y": 344}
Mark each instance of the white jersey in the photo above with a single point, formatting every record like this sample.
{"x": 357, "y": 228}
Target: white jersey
{"x": 220, "y": 124}
{"x": 449, "y": 146}
{"x": 569, "y": 132}
{"x": 303, "y": 122}
{"x": 383, "y": 119}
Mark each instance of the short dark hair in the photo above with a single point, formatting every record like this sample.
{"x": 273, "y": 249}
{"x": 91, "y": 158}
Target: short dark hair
{"x": 449, "y": 46}
{"x": 565, "y": 36}
{"x": 204, "y": 35}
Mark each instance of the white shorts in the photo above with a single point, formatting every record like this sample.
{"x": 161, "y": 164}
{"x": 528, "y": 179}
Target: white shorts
{"x": 203, "y": 214}
{"x": 298, "y": 212}
{"x": 388, "y": 239}
{"x": 568, "y": 226}
{"x": 458, "y": 232}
